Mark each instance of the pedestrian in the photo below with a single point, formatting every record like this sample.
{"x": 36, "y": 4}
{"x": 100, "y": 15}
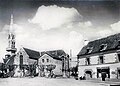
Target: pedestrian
{"x": 103, "y": 76}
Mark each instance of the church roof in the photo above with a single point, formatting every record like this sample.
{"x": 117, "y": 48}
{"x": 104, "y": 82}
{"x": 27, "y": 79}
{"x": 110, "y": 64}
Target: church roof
{"x": 112, "y": 43}
{"x": 32, "y": 54}
{"x": 55, "y": 54}
{"x": 9, "y": 60}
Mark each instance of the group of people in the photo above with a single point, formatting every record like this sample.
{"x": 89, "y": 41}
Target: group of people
{"x": 82, "y": 78}
{"x": 103, "y": 76}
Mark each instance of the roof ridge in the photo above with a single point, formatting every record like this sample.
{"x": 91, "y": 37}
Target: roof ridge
{"x": 30, "y": 49}
{"x": 111, "y": 41}
{"x": 104, "y": 37}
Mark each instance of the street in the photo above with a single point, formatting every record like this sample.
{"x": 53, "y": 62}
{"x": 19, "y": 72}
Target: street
{"x": 38, "y": 81}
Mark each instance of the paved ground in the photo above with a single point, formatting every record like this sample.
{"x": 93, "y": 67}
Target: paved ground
{"x": 50, "y": 82}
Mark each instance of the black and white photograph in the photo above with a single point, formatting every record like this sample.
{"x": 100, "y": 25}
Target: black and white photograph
{"x": 59, "y": 42}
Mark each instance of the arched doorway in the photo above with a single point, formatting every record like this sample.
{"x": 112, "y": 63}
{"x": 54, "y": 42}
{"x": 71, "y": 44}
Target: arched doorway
{"x": 88, "y": 73}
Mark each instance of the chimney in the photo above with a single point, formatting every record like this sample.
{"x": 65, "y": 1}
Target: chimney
{"x": 86, "y": 42}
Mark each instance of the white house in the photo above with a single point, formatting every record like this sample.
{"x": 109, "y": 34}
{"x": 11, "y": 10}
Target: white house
{"x": 54, "y": 57}
{"x": 102, "y": 55}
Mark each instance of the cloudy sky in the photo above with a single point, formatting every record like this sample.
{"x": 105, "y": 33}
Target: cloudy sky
{"x": 49, "y": 25}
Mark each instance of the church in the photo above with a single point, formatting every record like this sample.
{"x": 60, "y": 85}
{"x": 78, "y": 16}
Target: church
{"x": 98, "y": 56}
{"x": 28, "y": 62}
{"x": 11, "y": 52}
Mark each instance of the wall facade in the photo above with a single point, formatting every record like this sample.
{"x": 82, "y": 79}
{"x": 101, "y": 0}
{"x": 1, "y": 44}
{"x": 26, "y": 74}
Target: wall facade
{"x": 110, "y": 65}
{"x": 26, "y": 59}
{"x": 49, "y": 60}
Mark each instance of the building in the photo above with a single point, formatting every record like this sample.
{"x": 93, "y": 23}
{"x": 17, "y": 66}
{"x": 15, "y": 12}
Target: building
{"x": 11, "y": 51}
{"x": 98, "y": 56}
{"x": 27, "y": 61}
{"x": 57, "y": 58}
{"x": 31, "y": 62}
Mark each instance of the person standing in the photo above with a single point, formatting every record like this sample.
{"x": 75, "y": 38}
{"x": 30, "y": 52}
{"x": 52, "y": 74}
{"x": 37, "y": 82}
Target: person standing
{"x": 103, "y": 76}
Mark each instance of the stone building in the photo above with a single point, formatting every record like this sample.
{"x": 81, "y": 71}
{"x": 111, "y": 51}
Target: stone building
{"x": 27, "y": 61}
{"x": 98, "y": 56}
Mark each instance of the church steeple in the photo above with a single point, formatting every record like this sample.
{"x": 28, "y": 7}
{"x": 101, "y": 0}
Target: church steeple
{"x": 11, "y": 38}
{"x": 11, "y": 21}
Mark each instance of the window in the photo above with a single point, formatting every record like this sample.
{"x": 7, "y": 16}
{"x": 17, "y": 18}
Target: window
{"x": 118, "y": 72}
{"x": 87, "y": 61}
{"x": 119, "y": 57}
{"x": 101, "y": 60}
{"x": 21, "y": 61}
{"x": 89, "y": 49}
{"x": 47, "y": 60}
{"x": 43, "y": 60}
{"x": 103, "y": 47}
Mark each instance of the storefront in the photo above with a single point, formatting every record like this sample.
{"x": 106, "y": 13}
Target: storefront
{"x": 100, "y": 70}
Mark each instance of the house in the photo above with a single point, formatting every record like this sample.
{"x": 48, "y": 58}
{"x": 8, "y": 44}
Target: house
{"x": 27, "y": 60}
{"x": 98, "y": 56}
{"x": 57, "y": 58}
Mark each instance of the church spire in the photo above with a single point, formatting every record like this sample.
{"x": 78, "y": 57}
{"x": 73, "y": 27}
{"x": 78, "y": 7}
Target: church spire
{"x": 11, "y": 38}
{"x": 11, "y": 22}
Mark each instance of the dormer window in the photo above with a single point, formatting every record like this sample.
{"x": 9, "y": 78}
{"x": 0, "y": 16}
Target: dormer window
{"x": 118, "y": 43}
{"x": 103, "y": 47}
{"x": 89, "y": 49}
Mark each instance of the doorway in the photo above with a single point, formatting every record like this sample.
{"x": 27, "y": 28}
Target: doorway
{"x": 88, "y": 73}
{"x": 101, "y": 70}
{"x": 118, "y": 72}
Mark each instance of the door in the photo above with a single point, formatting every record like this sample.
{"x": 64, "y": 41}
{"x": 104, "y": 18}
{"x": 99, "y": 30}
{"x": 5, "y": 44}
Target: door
{"x": 103, "y": 69}
{"x": 88, "y": 74}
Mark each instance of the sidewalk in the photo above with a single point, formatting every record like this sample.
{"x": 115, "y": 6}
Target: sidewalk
{"x": 108, "y": 82}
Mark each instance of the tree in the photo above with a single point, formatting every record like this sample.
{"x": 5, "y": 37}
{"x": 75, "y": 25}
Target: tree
{"x": 74, "y": 71}
{"x": 50, "y": 68}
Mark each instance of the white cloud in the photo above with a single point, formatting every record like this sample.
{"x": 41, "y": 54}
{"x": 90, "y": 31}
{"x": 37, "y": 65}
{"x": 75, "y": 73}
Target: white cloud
{"x": 49, "y": 17}
{"x": 116, "y": 27}
{"x": 75, "y": 42}
{"x": 55, "y": 27}
{"x": 105, "y": 32}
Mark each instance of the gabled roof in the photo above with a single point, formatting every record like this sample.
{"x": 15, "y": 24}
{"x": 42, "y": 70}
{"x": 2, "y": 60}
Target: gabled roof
{"x": 112, "y": 43}
{"x": 55, "y": 54}
{"x": 32, "y": 54}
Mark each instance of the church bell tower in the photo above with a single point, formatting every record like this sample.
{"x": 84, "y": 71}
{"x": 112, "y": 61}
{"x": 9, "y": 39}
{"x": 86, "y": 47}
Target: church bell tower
{"x": 11, "y": 39}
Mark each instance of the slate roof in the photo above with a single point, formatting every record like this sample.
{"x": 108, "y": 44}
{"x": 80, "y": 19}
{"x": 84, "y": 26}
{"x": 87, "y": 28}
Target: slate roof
{"x": 1, "y": 64}
{"x": 55, "y": 54}
{"x": 10, "y": 60}
{"x": 32, "y": 54}
{"x": 113, "y": 43}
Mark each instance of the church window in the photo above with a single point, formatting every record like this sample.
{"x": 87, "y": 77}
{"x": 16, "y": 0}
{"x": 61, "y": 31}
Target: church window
{"x": 21, "y": 61}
